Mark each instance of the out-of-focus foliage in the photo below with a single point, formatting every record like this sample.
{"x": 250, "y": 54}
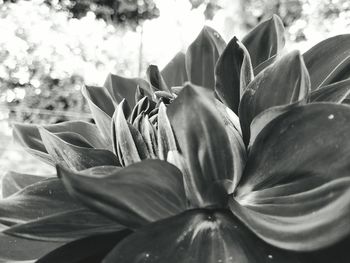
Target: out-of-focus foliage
{"x": 45, "y": 57}
{"x": 127, "y": 12}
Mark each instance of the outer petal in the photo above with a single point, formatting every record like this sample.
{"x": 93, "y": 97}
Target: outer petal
{"x": 336, "y": 92}
{"x": 156, "y": 79}
{"x": 41, "y": 199}
{"x": 101, "y": 117}
{"x": 233, "y": 67}
{"x": 89, "y": 249}
{"x": 329, "y": 61}
{"x": 202, "y": 56}
{"x": 65, "y": 226}
{"x": 19, "y": 249}
{"x": 284, "y": 82}
{"x": 265, "y": 40}
{"x": 295, "y": 189}
{"x": 174, "y": 73}
{"x": 205, "y": 146}
{"x": 197, "y": 236}
{"x": 75, "y": 157}
{"x": 12, "y": 182}
{"x": 136, "y": 195}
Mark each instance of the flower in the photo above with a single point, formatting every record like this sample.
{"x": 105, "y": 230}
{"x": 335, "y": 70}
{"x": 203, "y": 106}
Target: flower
{"x": 219, "y": 177}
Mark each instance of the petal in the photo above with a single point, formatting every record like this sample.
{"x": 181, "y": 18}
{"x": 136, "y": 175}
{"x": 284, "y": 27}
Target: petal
{"x": 265, "y": 64}
{"x": 75, "y": 157}
{"x": 233, "y": 67}
{"x": 127, "y": 140}
{"x": 174, "y": 73}
{"x": 41, "y": 199}
{"x": 12, "y": 182}
{"x": 197, "y": 236}
{"x": 19, "y": 249}
{"x": 201, "y": 57}
{"x": 284, "y": 82}
{"x": 265, "y": 40}
{"x": 296, "y": 186}
{"x": 156, "y": 79}
{"x": 88, "y": 249}
{"x": 136, "y": 195}
{"x": 336, "y": 92}
{"x": 121, "y": 88}
{"x": 328, "y": 61}
{"x": 166, "y": 138}
{"x": 65, "y": 226}
{"x": 102, "y": 118}
{"x": 205, "y": 145}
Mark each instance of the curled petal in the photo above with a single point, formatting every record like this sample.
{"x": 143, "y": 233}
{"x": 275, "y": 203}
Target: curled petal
{"x": 284, "y": 82}
{"x": 233, "y": 72}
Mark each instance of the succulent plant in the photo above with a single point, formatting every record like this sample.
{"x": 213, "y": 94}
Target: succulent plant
{"x": 231, "y": 153}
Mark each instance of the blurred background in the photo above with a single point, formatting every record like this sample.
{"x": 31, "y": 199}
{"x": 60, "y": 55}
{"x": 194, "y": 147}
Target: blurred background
{"x": 50, "y": 48}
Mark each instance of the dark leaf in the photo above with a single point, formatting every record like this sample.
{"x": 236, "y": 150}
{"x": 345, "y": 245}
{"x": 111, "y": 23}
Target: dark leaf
{"x": 86, "y": 250}
{"x": 329, "y": 61}
{"x": 174, "y": 73}
{"x": 284, "y": 82}
{"x": 35, "y": 201}
{"x": 202, "y": 56}
{"x": 136, "y": 195}
{"x": 233, "y": 67}
{"x": 65, "y": 226}
{"x": 265, "y": 40}
{"x": 336, "y": 92}
{"x": 205, "y": 146}
{"x": 12, "y": 182}
{"x": 264, "y": 64}
{"x": 75, "y": 157}
{"x": 121, "y": 88}
{"x": 19, "y": 249}
{"x": 197, "y": 236}
{"x": 295, "y": 190}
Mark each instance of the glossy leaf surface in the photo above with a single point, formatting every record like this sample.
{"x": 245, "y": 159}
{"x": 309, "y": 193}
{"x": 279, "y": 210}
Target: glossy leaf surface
{"x": 133, "y": 196}
{"x": 174, "y": 73}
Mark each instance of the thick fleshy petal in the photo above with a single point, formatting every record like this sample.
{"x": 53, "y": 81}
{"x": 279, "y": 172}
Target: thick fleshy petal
{"x": 197, "y": 236}
{"x": 86, "y": 250}
{"x": 20, "y": 249}
{"x": 329, "y": 61}
{"x": 102, "y": 118}
{"x": 128, "y": 143}
{"x": 174, "y": 73}
{"x": 295, "y": 190}
{"x": 205, "y": 146}
{"x": 336, "y": 92}
{"x": 265, "y": 40}
{"x": 284, "y": 82}
{"x": 133, "y": 196}
{"x": 12, "y": 182}
{"x": 65, "y": 226}
{"x": 233, "y": 67}
{"x": 75, "y": 157}
{"x": 202, "y": 56}
{"x": 121, "y": 88}
{"x": 41, "y": 199}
